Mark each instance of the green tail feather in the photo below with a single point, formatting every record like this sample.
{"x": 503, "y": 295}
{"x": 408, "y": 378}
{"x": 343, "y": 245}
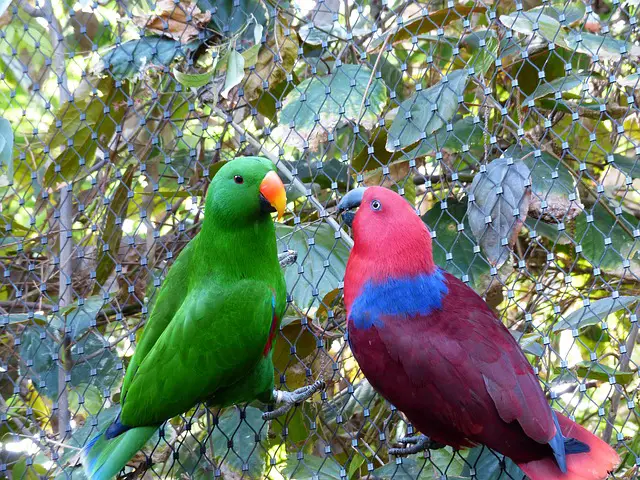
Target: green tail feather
{"x": 102, "y": 459}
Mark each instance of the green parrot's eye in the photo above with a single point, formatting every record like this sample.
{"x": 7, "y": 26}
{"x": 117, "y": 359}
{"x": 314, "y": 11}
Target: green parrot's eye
{"x": 238, "y": 179}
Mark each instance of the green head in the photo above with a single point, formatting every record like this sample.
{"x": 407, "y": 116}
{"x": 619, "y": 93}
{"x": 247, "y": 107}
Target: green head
{"x": 244, "y": 190}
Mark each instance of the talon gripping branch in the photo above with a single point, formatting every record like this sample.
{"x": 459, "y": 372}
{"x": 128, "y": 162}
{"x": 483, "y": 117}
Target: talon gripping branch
{"x": 432, "y": 347}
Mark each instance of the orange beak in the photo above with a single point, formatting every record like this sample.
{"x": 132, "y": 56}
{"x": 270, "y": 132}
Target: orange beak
{"x": 273, "y": 191}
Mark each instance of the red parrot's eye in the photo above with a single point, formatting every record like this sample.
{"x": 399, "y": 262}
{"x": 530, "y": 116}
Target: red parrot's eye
{"x": 238, "y": 179}
{"x": 376, "y": 205}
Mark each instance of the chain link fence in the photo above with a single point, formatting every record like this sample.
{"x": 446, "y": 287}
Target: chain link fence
{"x": 513, "y": 127}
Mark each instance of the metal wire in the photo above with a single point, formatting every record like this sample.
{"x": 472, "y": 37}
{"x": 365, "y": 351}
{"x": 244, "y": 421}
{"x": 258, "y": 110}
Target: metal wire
{"x": 513, "y": 127}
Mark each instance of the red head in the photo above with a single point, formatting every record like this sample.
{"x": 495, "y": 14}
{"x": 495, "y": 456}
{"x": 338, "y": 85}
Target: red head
{"x": 391, "y": 241}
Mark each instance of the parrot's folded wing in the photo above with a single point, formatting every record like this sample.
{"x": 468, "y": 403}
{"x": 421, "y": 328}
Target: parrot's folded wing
{"x": 216, "y": 338}
{"x": 170, "y": 297}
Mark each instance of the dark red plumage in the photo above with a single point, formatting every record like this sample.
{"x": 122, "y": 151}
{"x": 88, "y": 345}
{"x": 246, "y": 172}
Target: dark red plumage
{"x": 456, "y": 372}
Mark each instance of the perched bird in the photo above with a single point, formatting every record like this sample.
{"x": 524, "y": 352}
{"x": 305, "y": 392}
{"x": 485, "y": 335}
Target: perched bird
{"x": 210, "y": 335}
{"x": 433, "y": 348}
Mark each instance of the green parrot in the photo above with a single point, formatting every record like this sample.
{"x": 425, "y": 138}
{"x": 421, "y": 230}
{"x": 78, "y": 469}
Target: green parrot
{"x": 209, "y": 337}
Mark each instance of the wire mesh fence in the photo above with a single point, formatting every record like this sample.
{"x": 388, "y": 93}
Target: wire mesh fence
{"x": 513, "y": 127}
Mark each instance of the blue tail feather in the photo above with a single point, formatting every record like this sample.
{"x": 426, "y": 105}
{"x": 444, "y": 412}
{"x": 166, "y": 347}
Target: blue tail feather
{"x": 557, "y": 445}
{"x": 103, "y": 457}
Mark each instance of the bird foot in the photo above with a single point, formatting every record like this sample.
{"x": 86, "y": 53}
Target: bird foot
{"x": 291, "y": 399}
{"x": 287, "y": 258}
{"x": 417, "y": 443}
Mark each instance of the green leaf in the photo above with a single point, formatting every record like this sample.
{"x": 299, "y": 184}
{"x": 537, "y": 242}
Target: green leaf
{"x": 557, "y": 86}
{"x": 38, "y": 349}
{"x": 593, "y": 313}
{"x": 501, "y": 194}
{"x": 325, "y": 259}
{"x": 549, "y": 231}
{"x": 453, "y": 245}
{"x": 605, "y": 46}
{"x": 15, "y": 318}
{"x": 128, "y": 59}
{"x": 572, "y": 11}
{"x": 116, "y": 211}
{"x": 23, "y": 471}
{"x": 427, "y": 111}
{"x": 292, "y": 333}
{"x": 529, "y": 342}
{"x": 194, "y": 80}
{"x": 404, "y": 469}
{"x": 425, "y": 23}
{"x": 529, "y": 22}
{"x": 81, "y": 128}
{"x": 488, "y": 465}
{"x": 233, "y": 16}
{"x": 597, "y": 371}
{"x": 455, "y": 137}
{"x": 317, "y": 34}
{"x": 320, "y": 105}
{"x": 485, "y": 56}
{"x": 86, "y": 397}
{"x": 311, "y": 467}
{"x": 235, "y": 72}
{"x": 347, "y": 403}
{"x": 627, "y": 165}
{"x": 602, "y": 239}
{"x": 6, "y": 152}
{"x": 81, "y": 317}
{"x": 250, "y": 56}
{"x": 246, "y": 434}
{"x": 630, "y": 81}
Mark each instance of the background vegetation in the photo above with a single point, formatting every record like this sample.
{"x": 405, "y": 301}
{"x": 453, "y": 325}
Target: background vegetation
{"x": 512, "y": 126}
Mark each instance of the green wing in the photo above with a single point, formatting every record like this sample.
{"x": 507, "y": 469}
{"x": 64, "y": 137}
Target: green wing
{"x": 216, "y": 337}
{"x": 172, "y": 294}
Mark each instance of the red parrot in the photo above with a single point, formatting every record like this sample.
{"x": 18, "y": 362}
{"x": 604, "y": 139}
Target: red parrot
{"x": 433, "y": 348}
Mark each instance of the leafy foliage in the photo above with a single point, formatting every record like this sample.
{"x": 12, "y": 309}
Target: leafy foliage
{"x": 511, "y": 127}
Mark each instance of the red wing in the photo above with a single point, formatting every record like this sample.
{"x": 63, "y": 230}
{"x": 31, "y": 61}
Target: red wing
{"x": 466, "y": 358}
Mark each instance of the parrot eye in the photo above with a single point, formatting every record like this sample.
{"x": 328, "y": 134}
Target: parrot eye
{"x": 238, "y": 179}
{"x": 376, "y": 205}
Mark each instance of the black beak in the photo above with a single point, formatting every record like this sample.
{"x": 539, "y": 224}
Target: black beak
{"x": 349, "y": 202}
{"x": 265, "y": 206}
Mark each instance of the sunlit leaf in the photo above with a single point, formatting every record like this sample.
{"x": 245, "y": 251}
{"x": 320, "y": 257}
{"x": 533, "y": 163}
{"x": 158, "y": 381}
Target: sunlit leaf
{"x": 605, "y": 46}
{"x": 598, "y": 371}
{"x": 6, "y": 153}
{"x": 569, "y": 12}
{"x": 427, "y": 111}
{"x": 426, "y": 23}
{"x": 593, "y": 313}
{"x": 316, "y": 108}
{"x": 529, "y": 23}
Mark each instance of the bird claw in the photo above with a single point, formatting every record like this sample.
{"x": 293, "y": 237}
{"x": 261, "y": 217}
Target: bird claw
{"x": 418, "y": 444}
{"x": 291, "y": 399}
{"x": 287, "y": 258}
